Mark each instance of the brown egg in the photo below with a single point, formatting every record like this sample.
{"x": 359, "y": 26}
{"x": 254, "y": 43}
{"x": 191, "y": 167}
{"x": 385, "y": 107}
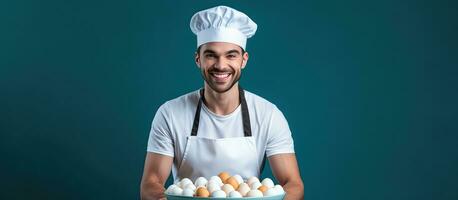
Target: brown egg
{"x": 262, "y": 188}
{"x": 233, "y": 182}
{"x": 202, "y": 192}
{"x": 224, "y": 176}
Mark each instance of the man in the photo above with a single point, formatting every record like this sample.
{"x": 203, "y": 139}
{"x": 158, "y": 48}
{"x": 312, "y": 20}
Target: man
{"x": 220, "y": 127}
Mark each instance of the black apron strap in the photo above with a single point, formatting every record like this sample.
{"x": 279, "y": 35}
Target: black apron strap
{"x": 245, "y": 113}
{"x": 195, "y": 124}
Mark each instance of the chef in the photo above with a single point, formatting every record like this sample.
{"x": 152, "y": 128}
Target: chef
{"x": 220, "y": 127}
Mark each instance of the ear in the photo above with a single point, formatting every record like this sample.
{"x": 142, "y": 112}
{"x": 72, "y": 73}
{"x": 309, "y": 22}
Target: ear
{"x": 197, "y": 59}
{"x": 245, "y": 59}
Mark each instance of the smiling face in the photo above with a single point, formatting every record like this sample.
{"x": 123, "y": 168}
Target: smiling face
{"x": 221, "y": 64}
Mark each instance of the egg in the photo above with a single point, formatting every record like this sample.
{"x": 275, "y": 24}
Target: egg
{"x": 201, "y": 181}
{"x": 255, "y": 185}
{"x": 218, "y": 194}
{"x": 170, "y": 188}
{"x": 213, "y": 187}
{"x": 212, "y": 182}
{"x": 176, "y": 191}
{"x": 234, "y": 194}
{"x": 227, "y": 188}
{"x": 254, "y": 193}
{"x": 190, "y": 186}
{"x": 224, "y": 176}
{"x": 233, "y": 182}
{"x": 270, "y": 192}
{"x": 243, "y": 189}
{"x": 244, "y": 184}
{"x": 184, "y": 182}
{"x": 262, "y": 188}
{"x": 252, "y": 179}
{"x": 268, "y": 182}
{"x": 217, "y": 179}
{"x": 202, "y": 192}
{"x": 279, "y": 189}
{"x": 238, "y": 178}
{"x": 188, "y": 192}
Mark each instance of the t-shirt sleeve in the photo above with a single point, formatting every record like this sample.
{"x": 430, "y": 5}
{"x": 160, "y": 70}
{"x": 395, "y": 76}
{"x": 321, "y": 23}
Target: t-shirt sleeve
{"x": 160, "y": 137}
{"x": 279, "y": 135}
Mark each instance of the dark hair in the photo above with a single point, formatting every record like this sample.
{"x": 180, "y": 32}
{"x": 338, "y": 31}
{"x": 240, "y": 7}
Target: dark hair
{"x": 198, "y": 50}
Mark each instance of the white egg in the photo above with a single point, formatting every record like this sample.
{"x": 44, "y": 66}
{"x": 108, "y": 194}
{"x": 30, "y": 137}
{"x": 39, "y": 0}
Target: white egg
{"x": 184, "y": 182}
{"x": 213, "y": 187}
{"x": 234, "y": 194}
{"x": 227, "y": 188}
{"x": 246, "y": 184}
{"x": 279, "y": 189}
{"x": 190, "y": 186}
{"x": 268, "y": 183}
{"x": 216, "y": 178}
{"x": 238, "y": 178}
{"x": 218, "y": 194}
{"x": 254, "y": 193}
{"x": 243, "y": 189}
{"x": 170, "y": 188}
{"x": 201, "y": 181}
{"x": 214, "y": 181}
{"x": 271, "y": 192}
{"x": 176, "y": 191}
{"x": 252, "y": 179}
{"x": 188, "y": 192}
{"x": 255, "y": 185}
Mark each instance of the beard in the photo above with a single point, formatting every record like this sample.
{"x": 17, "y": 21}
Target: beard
{"x": 219, "y": 87}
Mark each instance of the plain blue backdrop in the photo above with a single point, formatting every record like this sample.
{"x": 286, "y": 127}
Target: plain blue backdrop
{"x": 369, "y": 89}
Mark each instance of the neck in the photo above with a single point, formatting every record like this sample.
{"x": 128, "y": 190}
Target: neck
{"x": 222, "y": 103}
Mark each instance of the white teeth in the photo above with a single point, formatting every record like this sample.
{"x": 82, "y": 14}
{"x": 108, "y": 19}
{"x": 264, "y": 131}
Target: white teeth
{"x": 221, "y": 75}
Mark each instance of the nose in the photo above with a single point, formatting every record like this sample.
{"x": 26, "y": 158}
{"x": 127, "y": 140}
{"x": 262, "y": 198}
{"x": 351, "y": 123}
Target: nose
{"x": 220, "y": 63}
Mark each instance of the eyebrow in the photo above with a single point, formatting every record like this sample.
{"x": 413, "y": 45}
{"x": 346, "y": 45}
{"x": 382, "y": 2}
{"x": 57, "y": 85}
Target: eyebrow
{"x": 227, "y": 52}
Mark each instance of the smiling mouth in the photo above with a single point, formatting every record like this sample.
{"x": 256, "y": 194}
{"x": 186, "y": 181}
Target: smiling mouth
{"x": 221, "y": 77}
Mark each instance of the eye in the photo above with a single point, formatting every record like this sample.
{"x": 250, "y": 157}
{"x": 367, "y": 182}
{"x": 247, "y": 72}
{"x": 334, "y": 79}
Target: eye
{"x": 209, "y": 55}
{"x": 231, "y": 56}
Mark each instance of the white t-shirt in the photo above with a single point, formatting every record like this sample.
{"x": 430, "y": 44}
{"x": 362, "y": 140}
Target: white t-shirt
{"x": 173, "y": 122}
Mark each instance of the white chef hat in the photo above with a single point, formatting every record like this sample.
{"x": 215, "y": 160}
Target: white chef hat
{"x": 222, "y": 24}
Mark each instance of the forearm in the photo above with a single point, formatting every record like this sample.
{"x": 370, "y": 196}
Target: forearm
{"x": 294, "y": 190}
{"x": 157, "y": 169}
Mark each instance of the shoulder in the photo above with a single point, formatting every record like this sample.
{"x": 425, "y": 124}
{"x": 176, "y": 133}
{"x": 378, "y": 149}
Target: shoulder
{"x": 258, "y": 102}
{"x": 262, "y": 109}
{"x": 181, "y": 103}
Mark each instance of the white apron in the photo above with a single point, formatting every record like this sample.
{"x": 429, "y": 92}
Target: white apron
{"x": 208, "y": 157}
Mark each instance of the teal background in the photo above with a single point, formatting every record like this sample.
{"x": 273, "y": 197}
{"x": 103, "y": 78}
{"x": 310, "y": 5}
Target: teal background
{"x": 369, "y": 88}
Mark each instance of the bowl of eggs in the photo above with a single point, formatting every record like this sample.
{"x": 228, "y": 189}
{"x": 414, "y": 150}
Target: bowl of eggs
{"x": 225, "y": 186}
